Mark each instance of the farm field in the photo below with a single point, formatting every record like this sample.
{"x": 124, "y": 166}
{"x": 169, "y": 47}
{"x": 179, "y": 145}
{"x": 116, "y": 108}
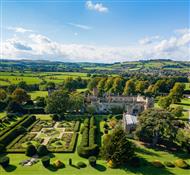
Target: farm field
{"x": 35, "y": 94}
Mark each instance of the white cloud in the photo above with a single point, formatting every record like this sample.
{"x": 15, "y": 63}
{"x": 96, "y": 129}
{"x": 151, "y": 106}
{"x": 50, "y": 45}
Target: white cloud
{"x": 19, "y": 29}
{"x": 99, "y": 7}
{"x": 81, "y": 26}
{"x": 149, "y": 40}
{"x": 37, "y": 46}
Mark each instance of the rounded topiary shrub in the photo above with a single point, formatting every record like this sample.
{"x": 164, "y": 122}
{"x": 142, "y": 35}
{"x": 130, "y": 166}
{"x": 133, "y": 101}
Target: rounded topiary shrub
{"x": 135, "y": 162}
{"x": 42, "y": 150}
{"x": 4, "y": 161}
{"x": 157, "y": 164}
{"x": 58, "y": 164}
{"x": 111, "y": 164}
{"x": 30, "y": 150}
{"x": 181, "y": 163}
{"x": 92, "y": 160}
{"x": 45, "y": 161}
{"x": 169, "y": 164}
{"x": 81, "y": 165}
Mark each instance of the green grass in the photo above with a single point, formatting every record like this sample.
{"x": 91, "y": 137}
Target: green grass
{"x": 43, "y": 116}
{"x": 2, "y": 114}
{"x": 187, "y": 86}
{"x": 35, "y": 94}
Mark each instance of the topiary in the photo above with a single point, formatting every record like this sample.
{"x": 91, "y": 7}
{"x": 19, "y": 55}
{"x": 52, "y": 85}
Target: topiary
{"x": 81, "y": 165}
{"x": 181, "y": 163}
{"x": 158, "y": 164}
{"x": 70, "y": 161}
{"x": 4, "y": 161}
{"x": 42, "y": 150}
{"x": 92, "y": 160}
{"x": 169, "y": 164}
{"x": 58, "y": 164}
{"x": 45, "y": 161}
{"x": 30, "y": 150}
{"x": 111, "y": 164}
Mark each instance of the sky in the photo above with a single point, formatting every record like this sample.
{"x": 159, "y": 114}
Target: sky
{"x": 95, "y": 31}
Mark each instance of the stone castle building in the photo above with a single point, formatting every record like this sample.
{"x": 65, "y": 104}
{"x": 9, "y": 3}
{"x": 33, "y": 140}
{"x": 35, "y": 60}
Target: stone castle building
{"x": 129, "y": 104}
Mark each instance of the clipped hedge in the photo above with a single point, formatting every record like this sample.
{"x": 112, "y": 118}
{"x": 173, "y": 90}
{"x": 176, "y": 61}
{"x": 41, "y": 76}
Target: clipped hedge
{"x": 77, "y": 126}
{"x": 8, "y": 137}
{"x": 88, "y": 146}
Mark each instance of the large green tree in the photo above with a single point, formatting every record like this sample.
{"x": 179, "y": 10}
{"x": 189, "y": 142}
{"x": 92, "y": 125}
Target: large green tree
{"x": 20, "y": 95}
{"x": 129, "y": 88}
{"x": 76, "y": 101}
{"x": 58, "y": 102}
{"x": 118, "y": 148}
{"x": 165, "y": 102}
{"x": 3, "y": 94}
{"x": 176, "y": 93}
{"x": 155, "y": 125}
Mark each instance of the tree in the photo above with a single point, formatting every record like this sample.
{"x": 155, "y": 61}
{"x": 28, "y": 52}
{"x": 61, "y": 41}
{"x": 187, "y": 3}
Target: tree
{"x": 20, "y": 95}
{"x": 118, "y": 148}
{"x": 90, "y": 109}
{"x": 176, "y": 93}
{"x": 155, "y": 125}
{"x": 50, "y": 85}
{"x": 101, "y": 85}
{"x": 14, "y": 107}
{"x": 76, "y": 101}
{"x": 3, "y": 94}
{"x": 118, "y": 85}
{"x": 58, "y": 102}
{"x": 30, "y": 150}
{"x": 93, "y": 83}
{"x": 22, "y": 85}
{"x": 129, "y": 87}
{"x": 141, "y": 86}
{"x": 11, "y": 88}
{"x": 165, "y": 102}
{"x": 109, "y": 84}
{"x": 42, "y": 150}
{"x": 40, "y": 101}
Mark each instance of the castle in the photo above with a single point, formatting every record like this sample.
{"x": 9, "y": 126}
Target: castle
{"x": 130, "y": 104}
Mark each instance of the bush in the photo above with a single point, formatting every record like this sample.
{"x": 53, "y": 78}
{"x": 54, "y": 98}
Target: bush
{"x": 158, "y": 164}
{"x": 45, "y": 161}
{"x": 135, "y": 162}
{"x": 11, "y": 116}
{"x": 111, "y": 164}
{"x": 81, "y": 165}
{"x": 92, "y": 160}
{"x": 105, "y": 131}
{"x": 169, "y": 164}
{"x": 70, "y": 161}
{"x": 181, "y": 163}
{"x": 4, "y": 161}
{"x": 42, "y": 150}
{"x": 58, "y": 164}
{"x": 30, "y": 150}
{"x": 106, "y": 126}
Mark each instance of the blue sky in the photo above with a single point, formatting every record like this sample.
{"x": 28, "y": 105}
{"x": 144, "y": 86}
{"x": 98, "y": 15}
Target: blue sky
{"x": 91, "y": 28}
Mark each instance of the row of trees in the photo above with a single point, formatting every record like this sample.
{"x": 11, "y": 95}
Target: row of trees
{"x": 119, "y": 85}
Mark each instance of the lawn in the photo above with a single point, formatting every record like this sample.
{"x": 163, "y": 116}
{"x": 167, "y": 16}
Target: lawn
{"x": 2, "y": 114}
{"x": 35, "y": 94}
{"x": 43, "y": 116}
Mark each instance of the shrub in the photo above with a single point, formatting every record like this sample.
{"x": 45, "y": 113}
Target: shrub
{"x": 45, "y": 161}
{"x": 30, "y": 150}
{"x": 135, "y": 162}
{"x": 58, "y": 164}
{"x": 81, "y": 165}
{"x": 92, "y": 160}
{"x": 157, "y": 164}
{"x": 105, "y": 131}
{"x": 4, "y": 161}
{"x": 42, "y": 150}
{"x": 181, "y": 163}
{"x": 106, "y": 126}
{"x": 11, "y": 116}
{"x": 169, "y": 164}
{"x": 70, "y": 161}
{"x": 111, "y": 164}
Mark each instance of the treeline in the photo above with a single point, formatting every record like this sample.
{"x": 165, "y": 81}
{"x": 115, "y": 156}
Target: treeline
{"x": 136, "y": 85}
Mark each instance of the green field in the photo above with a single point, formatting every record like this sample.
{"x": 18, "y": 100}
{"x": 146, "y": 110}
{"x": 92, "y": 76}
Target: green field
{"x": 35, "y": 94}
